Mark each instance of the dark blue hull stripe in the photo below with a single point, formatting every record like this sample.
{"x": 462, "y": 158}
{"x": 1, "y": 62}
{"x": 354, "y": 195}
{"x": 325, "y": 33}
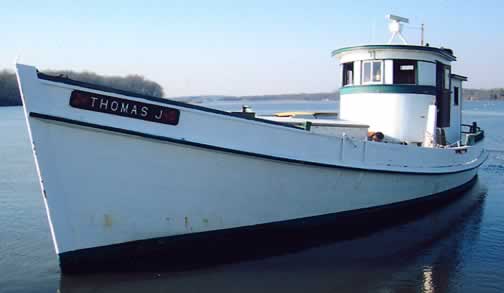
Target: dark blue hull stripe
{"x": 221, "y": 149}
{"x": 251, "y": 242}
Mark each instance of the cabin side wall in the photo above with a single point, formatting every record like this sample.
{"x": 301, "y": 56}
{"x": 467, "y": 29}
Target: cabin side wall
{"x": 397, "y": 115}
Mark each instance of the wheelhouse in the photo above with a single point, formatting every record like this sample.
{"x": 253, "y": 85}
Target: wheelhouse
{"x": 390, "y": 88}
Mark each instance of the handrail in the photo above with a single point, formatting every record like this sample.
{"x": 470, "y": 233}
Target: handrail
{"x": 473, "y": 128}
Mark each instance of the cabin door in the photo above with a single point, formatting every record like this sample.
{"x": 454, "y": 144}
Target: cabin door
{"x": 443, "y": 94}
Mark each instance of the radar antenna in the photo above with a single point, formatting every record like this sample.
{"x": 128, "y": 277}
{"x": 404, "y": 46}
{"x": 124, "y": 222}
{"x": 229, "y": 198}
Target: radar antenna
{"x": 395, "y": 27}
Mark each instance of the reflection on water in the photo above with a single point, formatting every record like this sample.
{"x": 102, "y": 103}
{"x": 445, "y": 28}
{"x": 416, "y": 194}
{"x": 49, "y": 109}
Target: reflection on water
{"x": 428, "y": 287}
{"x": 424, "y": 255}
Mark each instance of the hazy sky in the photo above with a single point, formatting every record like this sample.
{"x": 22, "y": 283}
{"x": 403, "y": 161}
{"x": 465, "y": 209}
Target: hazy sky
{"x": 241, "y": 47}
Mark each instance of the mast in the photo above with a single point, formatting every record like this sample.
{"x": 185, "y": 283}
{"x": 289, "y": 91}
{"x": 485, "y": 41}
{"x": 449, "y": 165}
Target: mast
{"x": 422, "y": 35}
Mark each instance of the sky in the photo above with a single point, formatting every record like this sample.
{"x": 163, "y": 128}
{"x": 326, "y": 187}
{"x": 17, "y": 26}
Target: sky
{"x": 237, "y": 47}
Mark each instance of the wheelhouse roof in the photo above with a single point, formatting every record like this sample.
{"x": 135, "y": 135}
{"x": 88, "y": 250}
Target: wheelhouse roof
{"x": 444, "y": 52}
{"x": 460, "y": 77}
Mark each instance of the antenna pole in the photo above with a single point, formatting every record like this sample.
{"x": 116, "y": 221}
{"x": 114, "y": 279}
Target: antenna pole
{"x": 422, "y": 37}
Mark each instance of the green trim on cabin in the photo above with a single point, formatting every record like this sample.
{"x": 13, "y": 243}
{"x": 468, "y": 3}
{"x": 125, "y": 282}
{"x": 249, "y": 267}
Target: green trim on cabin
{"x": 443, "y": 52}
{"x": 389, "y": 88}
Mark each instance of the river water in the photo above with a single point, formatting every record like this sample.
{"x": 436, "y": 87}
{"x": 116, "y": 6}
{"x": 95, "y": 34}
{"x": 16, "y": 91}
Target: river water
{"x": 458, "y": 248}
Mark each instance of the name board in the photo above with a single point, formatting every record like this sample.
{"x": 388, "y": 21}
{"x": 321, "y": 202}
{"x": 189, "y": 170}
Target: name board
{"x": 123, "y": 107}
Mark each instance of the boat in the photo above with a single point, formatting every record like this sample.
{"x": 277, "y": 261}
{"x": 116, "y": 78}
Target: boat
{"x": 123, "y": 174}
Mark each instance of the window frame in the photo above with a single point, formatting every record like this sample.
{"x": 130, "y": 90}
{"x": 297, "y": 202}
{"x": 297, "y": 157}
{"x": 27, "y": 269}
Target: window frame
{"x": 396, "y": 62}
{"x": 345, "y": 77}
{"x": 371, "y": 81}
{"x": 456, "y": 95}
{"x": 447, "y": 77}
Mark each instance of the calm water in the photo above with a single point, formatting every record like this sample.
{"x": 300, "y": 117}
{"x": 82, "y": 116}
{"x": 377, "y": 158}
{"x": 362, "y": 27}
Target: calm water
{"x": 455, "y": 249}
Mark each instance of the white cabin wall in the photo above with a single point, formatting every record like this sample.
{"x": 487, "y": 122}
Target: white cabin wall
{"x": 357, "y": 72}
{"x": 389, "y": 71}
{"x": 426, "y": 73}
{"x": 401, "y": 116}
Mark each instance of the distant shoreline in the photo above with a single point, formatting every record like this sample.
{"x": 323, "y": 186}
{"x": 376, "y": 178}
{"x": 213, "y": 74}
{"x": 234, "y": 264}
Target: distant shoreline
{"x": 10, "y": 96}
{"x": 469, "y": 95}
{"x": 272, "y": 98}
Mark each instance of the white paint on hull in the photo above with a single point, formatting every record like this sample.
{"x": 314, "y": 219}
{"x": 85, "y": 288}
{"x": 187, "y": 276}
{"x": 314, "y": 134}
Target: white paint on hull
{"x": 107, "y": 188}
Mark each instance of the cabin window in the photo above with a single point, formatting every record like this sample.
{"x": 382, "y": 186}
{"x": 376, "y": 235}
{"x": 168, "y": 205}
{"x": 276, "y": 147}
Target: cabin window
{"x": 348, "y": 73}
{"x": 455, "y": 96}
{"x": 372, "y": 71}
{"x": 405, "y": 71}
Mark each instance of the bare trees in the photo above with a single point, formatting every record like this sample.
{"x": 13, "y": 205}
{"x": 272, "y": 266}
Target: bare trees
{"x": 9, "y": 92}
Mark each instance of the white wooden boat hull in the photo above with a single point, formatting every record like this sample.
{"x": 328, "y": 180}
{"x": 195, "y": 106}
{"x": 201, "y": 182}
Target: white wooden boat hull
{"x": 107, "y": 181}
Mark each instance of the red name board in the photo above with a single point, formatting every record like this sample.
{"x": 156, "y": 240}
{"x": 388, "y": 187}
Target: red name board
{"x": 123, "y": 107}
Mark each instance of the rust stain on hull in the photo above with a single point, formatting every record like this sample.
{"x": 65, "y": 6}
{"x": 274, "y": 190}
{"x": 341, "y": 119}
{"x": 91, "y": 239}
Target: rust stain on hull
{"x": 107, "y": 221}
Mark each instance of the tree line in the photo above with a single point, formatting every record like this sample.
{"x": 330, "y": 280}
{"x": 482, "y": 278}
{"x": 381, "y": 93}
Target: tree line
{"x": 9, "y": 92}
{"x": 484, "y": 94}
{"x": 10, "y": 96}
